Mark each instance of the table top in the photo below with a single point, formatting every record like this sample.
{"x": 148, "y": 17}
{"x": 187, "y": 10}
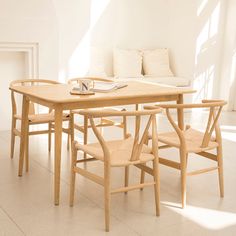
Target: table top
{"x": 60, "y": 93}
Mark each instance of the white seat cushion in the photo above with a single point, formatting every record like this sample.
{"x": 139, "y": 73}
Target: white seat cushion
{"x": 97, "y": 63}
{"x": 172, "y": 81}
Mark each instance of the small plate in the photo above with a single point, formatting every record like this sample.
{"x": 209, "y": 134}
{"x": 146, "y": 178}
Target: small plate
{"x": 73, "y": 92}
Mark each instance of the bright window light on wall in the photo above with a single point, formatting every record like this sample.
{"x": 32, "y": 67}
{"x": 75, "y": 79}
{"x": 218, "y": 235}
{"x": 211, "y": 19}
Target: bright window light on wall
{"x": 201, "y": 7}
{"x": 206, "y": 41}
{"x": 62, "y": 76}
{"x": 80, "y": 59}
{"x": 209, "y": 29}
{"x": 79, "y": 62}
{"x": 204, "y": 84}
{"x": 215, "y": 17}
{"x": 201, "y": 39}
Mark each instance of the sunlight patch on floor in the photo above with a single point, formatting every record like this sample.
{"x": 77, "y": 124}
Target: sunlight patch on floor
{"x": 207, "y": 218}
{"x": 228, "y": 132}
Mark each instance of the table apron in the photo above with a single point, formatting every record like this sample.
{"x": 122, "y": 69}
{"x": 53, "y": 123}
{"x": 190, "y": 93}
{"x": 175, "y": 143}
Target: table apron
{"x": 41, "y": 101}
{"x": 103, "y": 103}
{"x": 118, "y": 102}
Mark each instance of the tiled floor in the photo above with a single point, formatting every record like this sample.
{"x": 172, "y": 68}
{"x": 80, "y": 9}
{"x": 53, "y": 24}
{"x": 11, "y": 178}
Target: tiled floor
{"x": 26, "y": 203}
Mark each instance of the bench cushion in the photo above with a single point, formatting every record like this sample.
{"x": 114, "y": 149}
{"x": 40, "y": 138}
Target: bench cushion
{"x": 172, "y": 80}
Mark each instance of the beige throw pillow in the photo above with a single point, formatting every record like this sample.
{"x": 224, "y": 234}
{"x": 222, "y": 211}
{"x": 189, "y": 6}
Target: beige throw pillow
{"x": 97, "y": 63}
{"x": 127, "y": 63}
{"x": 156, "y": 62}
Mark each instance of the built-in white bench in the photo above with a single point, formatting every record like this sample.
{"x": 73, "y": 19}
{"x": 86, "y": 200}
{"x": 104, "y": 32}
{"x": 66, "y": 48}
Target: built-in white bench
{"x": 172, "y": 80}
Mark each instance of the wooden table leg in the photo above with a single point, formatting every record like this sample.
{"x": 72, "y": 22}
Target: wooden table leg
{"x": 180, "y": 112}
{"x": 57, "y": 148}
{"x": 24, "y": 124}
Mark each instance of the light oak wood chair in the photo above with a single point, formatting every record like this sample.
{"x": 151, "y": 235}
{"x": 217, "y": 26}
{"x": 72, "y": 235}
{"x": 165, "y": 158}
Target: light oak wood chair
{"x": 104, "y": 122}
{"x": 119, "y": 153}
{"x": 191, "y": 140}
{"x": 34, "y": 117}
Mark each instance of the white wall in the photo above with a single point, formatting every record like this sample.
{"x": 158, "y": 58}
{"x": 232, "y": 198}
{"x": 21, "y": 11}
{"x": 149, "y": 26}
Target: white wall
{"x": 228, "y": 69}
{"x": 195, "y": 38}
{"x": 104, "y": 25}
{"x": 26, "y": 21}
{"x": 66, "y": 31}
{"x": 32, "y": 21}
{"x": 193, "y": 30}
{"x": 73, "y": 21}
{"x": 11, "y": 66}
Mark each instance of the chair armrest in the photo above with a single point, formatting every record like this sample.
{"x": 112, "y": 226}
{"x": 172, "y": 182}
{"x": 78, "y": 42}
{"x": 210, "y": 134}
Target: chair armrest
{"x": 97, "y": 113}
{"x": 205, "y": 103}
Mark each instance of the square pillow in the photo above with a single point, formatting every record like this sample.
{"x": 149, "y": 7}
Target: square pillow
{"x": 127, "y": 63}
{"x": 156, "y": 63}
{"x": 97, "y": 63}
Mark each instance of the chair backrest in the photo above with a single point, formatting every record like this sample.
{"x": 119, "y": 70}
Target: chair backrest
{"x": 77, "y": 80}
{"x": 27, "y": 82}
{"x": 214, "y": 107}
{"x": 139, "y": 136}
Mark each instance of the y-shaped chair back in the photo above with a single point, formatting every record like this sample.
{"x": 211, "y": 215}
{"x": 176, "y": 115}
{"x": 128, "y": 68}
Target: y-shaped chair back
{"x": 120, "y": 153}
{"x": 34, "y": 117}
{"x": 27, "y": 82}
{"x": 192, "y": 140}
{"x": 214, "y": 107}
{"x": 139, "y": 137}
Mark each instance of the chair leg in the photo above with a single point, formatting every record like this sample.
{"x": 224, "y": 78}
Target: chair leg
{"x": 156, "y": 176}
{"x": 13, "y": 126}
{"x": 71, "y": 130}
{"x": 183, "y": 156}
{"x": 101, "y": 128}
{"x": 142, "y": 177}
{"x": 49, "y": 136}
{"x": 73, "y": 174}
{"x": 124, "y": 127}
{"x": 220, "y": 169}
{"x": 186, "y": 160}
{"x": 126, "y": 177}
{"x": 27, "y": 151}
{"x": 107, "y": 196}
{"x": 85, "y": 133}
{"x": 68, "y": 136}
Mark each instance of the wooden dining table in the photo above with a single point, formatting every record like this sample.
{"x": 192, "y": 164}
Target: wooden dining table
{"x": 58, "y": 97}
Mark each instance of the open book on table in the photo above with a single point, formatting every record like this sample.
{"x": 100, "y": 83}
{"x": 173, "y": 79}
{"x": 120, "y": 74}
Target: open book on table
{"x": 100, "y": 87}
{"x": 104, "y": 87}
